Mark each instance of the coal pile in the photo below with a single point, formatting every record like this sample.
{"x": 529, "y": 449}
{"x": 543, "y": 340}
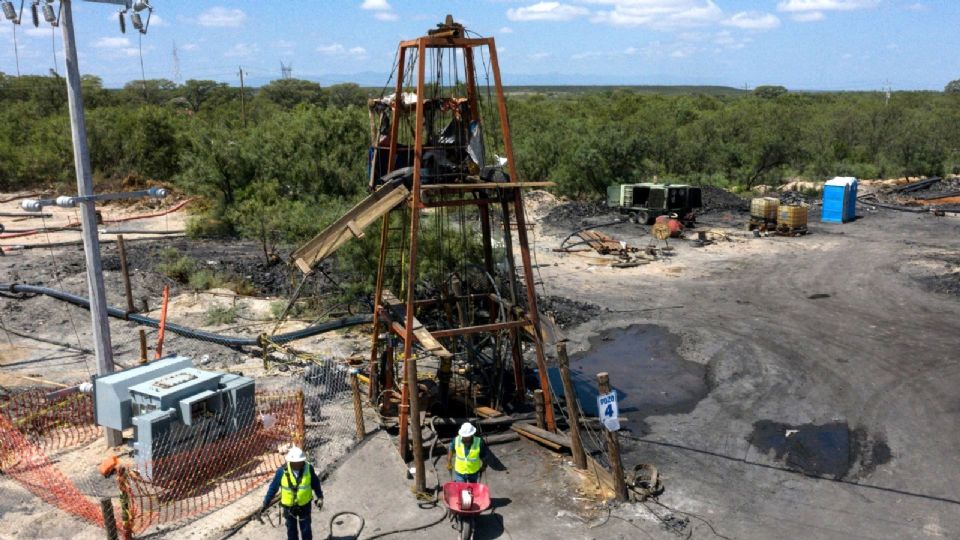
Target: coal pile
{"x": 567, "y": 312}
{"x": 795, "y": 197}
{"x": 718, "y": 199}
{"x": 573, "y": 213}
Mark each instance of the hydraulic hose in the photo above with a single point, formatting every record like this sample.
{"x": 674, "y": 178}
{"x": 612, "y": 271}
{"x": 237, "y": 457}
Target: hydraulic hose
{"x": 228, "y": 341}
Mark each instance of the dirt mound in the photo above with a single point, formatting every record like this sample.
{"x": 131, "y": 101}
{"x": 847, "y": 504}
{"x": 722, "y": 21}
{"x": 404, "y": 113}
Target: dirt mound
{"x": 715, "y": 198}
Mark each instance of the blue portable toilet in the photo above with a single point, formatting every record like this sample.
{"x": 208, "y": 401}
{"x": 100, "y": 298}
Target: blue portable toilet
{"x": 840, "y": 200}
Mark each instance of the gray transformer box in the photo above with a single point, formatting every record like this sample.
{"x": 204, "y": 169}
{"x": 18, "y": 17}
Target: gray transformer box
{"x": 111, "y": 393}
{"x": 173, "y": 408}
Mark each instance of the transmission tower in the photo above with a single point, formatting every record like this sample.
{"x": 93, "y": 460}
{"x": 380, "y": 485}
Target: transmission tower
{"x": 176, "y": 64}
{"x": 286, "y": 70}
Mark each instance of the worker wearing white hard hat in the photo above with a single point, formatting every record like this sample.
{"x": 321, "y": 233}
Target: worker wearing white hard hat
{"x": 467, "y": 455}
{"x": 297, "y": 483}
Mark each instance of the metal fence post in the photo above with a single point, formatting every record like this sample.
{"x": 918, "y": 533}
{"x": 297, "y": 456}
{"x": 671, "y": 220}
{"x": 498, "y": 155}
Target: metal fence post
{"x": 109, "y": 520}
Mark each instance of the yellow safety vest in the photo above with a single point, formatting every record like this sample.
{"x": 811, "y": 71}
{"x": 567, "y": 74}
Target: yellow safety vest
{"x": 467, "y": 462}
{"x": 296, "y": 495}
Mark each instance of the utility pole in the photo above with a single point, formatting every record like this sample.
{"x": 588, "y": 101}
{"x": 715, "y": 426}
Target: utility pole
{"x": 88, "y": 220}
{"x": 243, "y": 102}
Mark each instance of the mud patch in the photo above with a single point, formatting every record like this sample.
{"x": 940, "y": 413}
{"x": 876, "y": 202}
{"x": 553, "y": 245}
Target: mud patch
{"x": 832, "y": 449}
{"x": 646, "y": 369}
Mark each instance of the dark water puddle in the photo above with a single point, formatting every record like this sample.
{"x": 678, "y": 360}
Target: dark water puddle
{"x": 646, "y": 369}
{"x": 831, "y": 449}
{"x": 818, "y": 296}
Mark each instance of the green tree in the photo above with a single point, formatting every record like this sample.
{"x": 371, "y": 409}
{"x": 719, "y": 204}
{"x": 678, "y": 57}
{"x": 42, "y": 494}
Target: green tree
{"x": 196, "y": 92}
{"x": 769, "y": 91}
{"x": 952, "y": 87}
{"x": 289, "y": 93}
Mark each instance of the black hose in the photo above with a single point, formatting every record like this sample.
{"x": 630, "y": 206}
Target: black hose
{"x": 227, "y": 341}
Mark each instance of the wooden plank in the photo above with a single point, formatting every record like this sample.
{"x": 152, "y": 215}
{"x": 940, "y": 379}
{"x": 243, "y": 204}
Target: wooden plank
{"x": 420, "y": 332}
{"x": 349, "y": 225}
{"x": 533, "y": 437}
{"x": 488, "y": 185}
{"x": 560, "y": 440}
{"x": 487, "y": 412}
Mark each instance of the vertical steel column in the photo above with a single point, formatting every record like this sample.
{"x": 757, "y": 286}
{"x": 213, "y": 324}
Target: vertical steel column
{"x": 410, "y": 363}
{"x": 385, "y": 223}
{"x": 522, "y": 236}
{"x": 102, "y": 346}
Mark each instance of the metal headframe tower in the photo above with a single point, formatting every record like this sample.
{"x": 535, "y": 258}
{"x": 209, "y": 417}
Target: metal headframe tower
{"x": 480, "y": 326}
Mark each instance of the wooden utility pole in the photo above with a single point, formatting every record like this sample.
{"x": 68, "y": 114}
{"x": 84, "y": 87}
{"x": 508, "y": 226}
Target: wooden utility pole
{"x": 573, "y": 411}
{"x": 88, "y": 219}
{"x": 125, "y": 271}
{"x": 613, "y": 447}
{"x": 243, "y": 100}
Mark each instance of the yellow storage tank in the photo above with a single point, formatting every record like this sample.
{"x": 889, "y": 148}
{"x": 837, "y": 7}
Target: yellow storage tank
{"x": 793, "y": 216}
{"x": 764, "y": 208}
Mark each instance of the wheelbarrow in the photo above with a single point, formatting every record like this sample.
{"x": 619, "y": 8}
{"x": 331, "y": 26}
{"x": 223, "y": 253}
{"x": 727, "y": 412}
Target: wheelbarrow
{"x": 465, "y": 500}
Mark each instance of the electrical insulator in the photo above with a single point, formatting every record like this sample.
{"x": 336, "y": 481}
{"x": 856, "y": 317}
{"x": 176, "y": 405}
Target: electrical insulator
{"x": 123, "y": 22}
{"x": 49, "y": 14}
{"x": 35, "y": 14}
{"x": 141, "y": 5}
{"x": 137, "y": 21}
{"x": 9, "y": 11}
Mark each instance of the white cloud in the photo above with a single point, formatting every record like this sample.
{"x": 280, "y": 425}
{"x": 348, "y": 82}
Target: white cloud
{"x": 808, "y": 16}
{"x": 658, "y": 14}
{"x": 241, "y": 50}
{"x": 546, "y": 11}
{"x": 222, "y": 17}
{"x": 917, "y": 6}
{"x": 336, "y": 49}
{"x": 284, "y": 44}
{"x": 630, "y": 51}
{"x": 156, "y": 20}
{"x": 375, "y": 5}
{"x": 189, "y": 47}
{"x": 505, "y": 30}
{"x": 385, "y": 16}
{"x": 112, "y": 42}
{"x": 539, "y": 56}
{"x": 753, "y": 20}
{"x": 825, "y": 5}
{"x": 40, "y": 32}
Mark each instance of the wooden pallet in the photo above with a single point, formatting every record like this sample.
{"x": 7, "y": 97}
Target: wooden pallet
{"x": 785, "y": 230}
{"x": 761, "y": 224}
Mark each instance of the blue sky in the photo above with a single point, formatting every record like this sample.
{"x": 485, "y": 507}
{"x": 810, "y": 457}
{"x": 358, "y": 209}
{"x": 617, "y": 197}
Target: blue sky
{"x": 801, "y": 44}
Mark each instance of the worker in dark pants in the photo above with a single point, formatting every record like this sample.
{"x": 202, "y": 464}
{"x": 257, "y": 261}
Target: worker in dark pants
{"x": 467, "y": 455}
{"x": 297, "y": 482}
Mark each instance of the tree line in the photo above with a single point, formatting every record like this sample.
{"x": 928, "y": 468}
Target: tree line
{"x": 293, "y": 155}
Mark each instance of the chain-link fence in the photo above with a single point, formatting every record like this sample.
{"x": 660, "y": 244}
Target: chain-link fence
{"x": 51, "y": 446}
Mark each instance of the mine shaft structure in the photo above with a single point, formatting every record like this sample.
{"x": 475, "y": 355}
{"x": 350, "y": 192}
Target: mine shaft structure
{"x": 453, "y": 312}
{"x": 471, "y": 324}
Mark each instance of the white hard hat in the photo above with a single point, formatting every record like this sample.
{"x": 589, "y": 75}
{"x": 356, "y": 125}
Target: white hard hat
{"x": 295, "y": 455}
{"x": 467, "y": 430}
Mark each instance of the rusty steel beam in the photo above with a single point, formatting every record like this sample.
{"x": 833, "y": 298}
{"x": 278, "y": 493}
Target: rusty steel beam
{"x": 494, "y": 327}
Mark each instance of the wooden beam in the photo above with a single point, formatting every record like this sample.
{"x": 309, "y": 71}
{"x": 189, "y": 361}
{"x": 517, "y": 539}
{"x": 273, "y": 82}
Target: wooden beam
{"x": 553, "y": 440}
{"x": 488, "y": 185}
{"x": 349, "y": 225}
{"x": 449, "y": 332}
{"x": 420, "y": 332}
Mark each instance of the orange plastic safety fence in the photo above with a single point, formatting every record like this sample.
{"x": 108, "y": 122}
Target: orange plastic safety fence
{"x": 29, "y": 465}
{"x": 210, "y": 474}
{"x": 52, "y": 420}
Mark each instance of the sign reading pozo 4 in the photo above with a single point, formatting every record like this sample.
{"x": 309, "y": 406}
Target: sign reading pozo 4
{"x": 609, "y": 412}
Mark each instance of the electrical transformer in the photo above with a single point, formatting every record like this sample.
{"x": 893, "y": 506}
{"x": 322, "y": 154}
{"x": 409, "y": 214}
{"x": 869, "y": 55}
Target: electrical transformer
{"x": 172, "y": 407}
